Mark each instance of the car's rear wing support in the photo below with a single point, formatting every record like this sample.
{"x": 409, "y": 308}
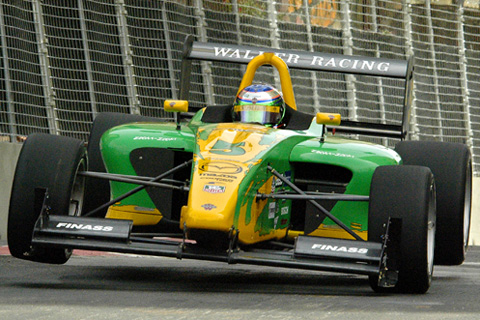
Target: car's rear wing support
{"x": 315, "y": 61}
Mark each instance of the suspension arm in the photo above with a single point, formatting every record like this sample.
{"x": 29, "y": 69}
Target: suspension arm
{"x": 316, "y": 204}
{"x": 145, "y": 181}
{"x": 139, "y": 188}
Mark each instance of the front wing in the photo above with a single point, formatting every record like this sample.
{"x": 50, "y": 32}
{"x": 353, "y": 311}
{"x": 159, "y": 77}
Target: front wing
{"x": 312, "y": 253}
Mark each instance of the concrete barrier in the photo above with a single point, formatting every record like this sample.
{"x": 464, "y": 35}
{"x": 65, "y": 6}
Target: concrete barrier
{"x": 9, "y": 154}
{"x": 8, "y": 159}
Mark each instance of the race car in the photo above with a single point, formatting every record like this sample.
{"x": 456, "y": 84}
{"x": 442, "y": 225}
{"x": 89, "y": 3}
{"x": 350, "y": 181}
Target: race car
{"x": 255, "y": 182}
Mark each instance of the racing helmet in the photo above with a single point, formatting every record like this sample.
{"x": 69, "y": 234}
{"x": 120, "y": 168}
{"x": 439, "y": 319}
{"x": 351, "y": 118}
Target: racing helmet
{"x": 259, "y": 103}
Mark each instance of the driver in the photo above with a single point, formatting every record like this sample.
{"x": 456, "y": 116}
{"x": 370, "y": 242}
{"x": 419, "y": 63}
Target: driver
{"x": 259, "y": 103}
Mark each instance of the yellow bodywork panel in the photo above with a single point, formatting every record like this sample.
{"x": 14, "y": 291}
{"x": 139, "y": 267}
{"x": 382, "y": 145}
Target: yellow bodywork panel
{"x": 223, "y": 159}
{"x": 333, "y": 119}
{"x": 249, "y": 234}
{"x": 175, "y": 105}
{"x": 225, "y": 155}
{"x": 139, "y": 216}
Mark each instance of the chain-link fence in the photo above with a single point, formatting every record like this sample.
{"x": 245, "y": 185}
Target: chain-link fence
{"x": 64, "y": 61}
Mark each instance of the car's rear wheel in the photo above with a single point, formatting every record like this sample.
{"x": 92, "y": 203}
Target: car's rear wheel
{"x": 47, "y": 162}
{"x": 97, "y": 191}
{"x": 451, "y": 164}
{"x": 406, "y": 194}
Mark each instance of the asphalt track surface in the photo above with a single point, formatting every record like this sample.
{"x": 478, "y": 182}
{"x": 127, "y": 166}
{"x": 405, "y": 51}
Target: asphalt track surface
{"x": 111, "y": 286}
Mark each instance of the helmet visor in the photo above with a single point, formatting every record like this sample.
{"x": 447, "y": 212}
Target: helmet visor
{"x": 250, "y": 113}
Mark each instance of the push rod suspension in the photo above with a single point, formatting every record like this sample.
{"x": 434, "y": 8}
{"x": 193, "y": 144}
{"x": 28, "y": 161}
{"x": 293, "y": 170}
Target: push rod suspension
{"x": 139, "y": 188}
{"x": 315, "y": 204}
{"x": 133, "y": 180}
{"x": 313, "y": 196}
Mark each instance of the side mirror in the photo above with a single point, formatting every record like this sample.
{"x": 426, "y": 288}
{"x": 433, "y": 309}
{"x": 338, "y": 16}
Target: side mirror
{"x": 328, "y": 118}
{"x": 175, "y": 105}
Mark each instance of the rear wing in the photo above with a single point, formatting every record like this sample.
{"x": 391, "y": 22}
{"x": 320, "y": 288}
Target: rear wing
{"x": 315, "y": 61}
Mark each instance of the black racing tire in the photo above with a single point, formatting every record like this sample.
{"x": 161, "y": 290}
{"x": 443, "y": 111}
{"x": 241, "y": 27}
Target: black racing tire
{"x": 451, "y": 165}
{"x": 50, "y": 162}
{"x": 97, "y": 191}
{"x": 406, "y": 193}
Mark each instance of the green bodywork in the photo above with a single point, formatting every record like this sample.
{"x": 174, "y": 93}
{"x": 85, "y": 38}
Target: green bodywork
{"x": 360, "y": 158}
{"x": 117, "y": 144}
{"x": 284, "y": 148}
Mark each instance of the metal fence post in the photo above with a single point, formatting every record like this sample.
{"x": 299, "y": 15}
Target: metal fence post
{"x": 205, "y": 66}
{"x": 313, "y": 75}
{"x": 237, "y": 21}
{"x": 12, "y": 125}
{"x": 347, "y": 49}
{"x": 464, "y": 76}
{"x": 431, "y": 42}
{"x": 272, "y": 19}
{"x": 127, "y": 56}
{"x": 274, "y": 34}
{"x": 407, "y": 22}
{"x": 45, "y": 68}
{"x": 171, "y": 69}
{"x": 88, "y": 61}
{"x": 381, "y": 98}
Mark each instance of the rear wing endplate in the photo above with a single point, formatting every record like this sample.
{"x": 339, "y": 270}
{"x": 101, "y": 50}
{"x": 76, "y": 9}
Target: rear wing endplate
{"x": 315, "y": 61}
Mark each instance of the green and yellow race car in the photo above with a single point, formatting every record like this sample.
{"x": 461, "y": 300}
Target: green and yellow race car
{"x": 256, "y": 182}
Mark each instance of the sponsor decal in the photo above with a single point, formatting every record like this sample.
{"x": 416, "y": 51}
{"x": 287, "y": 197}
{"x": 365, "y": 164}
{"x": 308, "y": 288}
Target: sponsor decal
{"x": 147, "y": 138}
{"x": 284, "y": 210}
{"x": 208, "y": 206}
{"x": 218, "y": 177}
{"x": 278, "y": 182}
{"x": 326, "y": 247}
{"x": 77, "y": 226}
{"x": 228, "y": 52}
{"x": 213, "y": 188}
{"x": 334, "y": 154}
{"x": 271, "y": 210}
{"x": 220, "y": 167}
{"x": 352, "y": 64}
{"x": 332, "y": 62}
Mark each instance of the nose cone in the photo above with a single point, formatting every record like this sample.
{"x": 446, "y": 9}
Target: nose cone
{"x": 224, "y": 154}
{"x": 213, "y": 195}
{"x": 229, "y": 168}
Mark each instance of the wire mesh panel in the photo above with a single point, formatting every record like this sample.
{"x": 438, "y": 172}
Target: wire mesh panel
{"x": 295, "y": 36}
{"x": 22, "y": 107}
{"x": 448, "y": 64}
{"x": 256, "y": 30}
{"x": 104, "y": 56}
{"x": 472, "y": 53}
{"x": 67, "y": 66}
{"x": 64, "y": 61}
{"x": 145, "y": 39}
{"x": 222, "y": 25}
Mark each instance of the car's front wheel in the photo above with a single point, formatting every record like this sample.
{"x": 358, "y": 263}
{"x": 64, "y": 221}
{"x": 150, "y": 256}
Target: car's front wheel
{"x": 406, "y": 194}
{"x": 46, "y": 162}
